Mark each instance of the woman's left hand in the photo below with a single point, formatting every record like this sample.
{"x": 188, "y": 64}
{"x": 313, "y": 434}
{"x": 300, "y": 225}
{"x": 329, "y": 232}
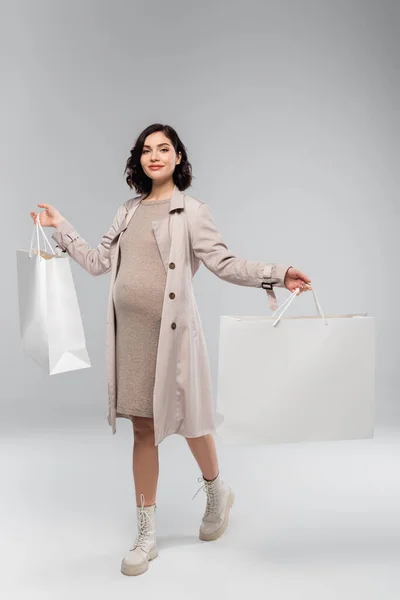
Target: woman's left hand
{"x": 296, "y": 279}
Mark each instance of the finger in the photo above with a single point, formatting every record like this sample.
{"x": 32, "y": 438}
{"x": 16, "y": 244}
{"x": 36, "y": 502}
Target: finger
{"x": 301, "y": 276}
{"x": 304, "y": 278}
{"x": 44, "y": 205}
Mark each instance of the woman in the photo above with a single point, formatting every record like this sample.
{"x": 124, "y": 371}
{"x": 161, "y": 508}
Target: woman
{"x": 158, "y": 369}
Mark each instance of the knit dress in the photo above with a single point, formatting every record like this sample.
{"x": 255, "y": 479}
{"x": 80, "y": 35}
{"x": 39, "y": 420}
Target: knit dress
{"x": 138, "y": 296}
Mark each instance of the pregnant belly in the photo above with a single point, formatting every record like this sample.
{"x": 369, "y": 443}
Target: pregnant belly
{"x": 139, "y": 295}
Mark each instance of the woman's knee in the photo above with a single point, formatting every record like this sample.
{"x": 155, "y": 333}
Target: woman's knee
{"x": 143, "y": 429}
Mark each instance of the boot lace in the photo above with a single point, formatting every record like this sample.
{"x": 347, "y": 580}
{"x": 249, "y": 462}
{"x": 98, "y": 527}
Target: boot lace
{"x": 212, "y": 497}
{"x": 145, "y": 524}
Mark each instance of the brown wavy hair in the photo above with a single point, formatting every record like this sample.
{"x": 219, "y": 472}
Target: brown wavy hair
{"x": 136, "y": 177}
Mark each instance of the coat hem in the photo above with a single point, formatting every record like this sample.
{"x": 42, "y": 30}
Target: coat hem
{"x": 206, "y": 431}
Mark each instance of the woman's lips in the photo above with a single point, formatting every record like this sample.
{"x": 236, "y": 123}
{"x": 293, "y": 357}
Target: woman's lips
{"x": 156, "y": 168}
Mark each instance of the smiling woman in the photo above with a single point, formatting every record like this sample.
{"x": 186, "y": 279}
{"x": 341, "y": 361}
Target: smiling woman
{"x": 157, "y": 159}
{"x": 158, "y": 366}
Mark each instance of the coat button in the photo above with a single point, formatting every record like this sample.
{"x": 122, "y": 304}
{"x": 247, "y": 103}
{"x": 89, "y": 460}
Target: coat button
{"x": 173, "y": 325}
{"x": 172, "y": 295}
{"x": 172, "y": 265}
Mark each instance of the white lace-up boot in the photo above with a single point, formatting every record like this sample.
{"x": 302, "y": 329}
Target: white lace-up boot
{"x": 136, "y": 560}
{"x": 219, "y": 501}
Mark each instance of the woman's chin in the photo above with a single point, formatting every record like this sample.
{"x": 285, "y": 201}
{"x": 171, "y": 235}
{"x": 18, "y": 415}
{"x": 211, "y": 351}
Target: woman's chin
{"x": 156, "y": 176}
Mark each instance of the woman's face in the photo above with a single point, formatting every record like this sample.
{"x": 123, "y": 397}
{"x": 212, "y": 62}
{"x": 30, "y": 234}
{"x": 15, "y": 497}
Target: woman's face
{"x": 159, "y": 151}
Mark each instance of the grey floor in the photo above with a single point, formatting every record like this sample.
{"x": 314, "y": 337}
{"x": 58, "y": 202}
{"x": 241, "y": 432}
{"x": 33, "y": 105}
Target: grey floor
{"x": 310, "y": 521}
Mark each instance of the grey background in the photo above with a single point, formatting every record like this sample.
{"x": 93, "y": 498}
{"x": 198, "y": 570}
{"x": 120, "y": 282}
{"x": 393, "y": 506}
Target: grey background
{"x": 289, "y": 112}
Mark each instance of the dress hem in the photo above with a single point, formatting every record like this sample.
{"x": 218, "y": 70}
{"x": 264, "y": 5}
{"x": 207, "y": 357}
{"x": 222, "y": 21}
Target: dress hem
{"x": 135, "y": 414}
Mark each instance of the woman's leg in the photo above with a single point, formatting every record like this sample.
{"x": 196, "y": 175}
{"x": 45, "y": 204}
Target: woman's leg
{"x": 145, "y": 461}
{"x": 145, "y": 475}
{"x": 219, "y": 494}
{"x": 205, "y": 454}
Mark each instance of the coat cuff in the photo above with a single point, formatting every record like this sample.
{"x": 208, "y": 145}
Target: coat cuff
{"x": 64, "y": 234}
{"x": 273, "y": 276}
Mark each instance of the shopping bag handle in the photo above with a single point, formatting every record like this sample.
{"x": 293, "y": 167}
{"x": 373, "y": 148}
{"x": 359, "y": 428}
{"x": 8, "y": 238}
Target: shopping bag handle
{"x": 36, "y": 230}
{"x": 289, "y": 301}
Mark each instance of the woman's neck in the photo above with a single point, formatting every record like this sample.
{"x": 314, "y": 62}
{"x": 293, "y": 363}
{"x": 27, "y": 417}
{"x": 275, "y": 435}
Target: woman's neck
{"x": 161, "y": 192}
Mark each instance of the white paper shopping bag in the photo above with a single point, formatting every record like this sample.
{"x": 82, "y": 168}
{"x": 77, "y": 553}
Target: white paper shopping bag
{"x": 50, "y": 320}
{"x": 291, "y": 379}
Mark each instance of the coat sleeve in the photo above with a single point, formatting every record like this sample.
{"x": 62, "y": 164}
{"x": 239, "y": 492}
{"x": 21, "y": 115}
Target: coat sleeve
{"x": 210, "y": 248}
{"x": 95, "y": 261}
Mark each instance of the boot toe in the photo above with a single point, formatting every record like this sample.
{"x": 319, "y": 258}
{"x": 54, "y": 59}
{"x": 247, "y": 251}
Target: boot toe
{"x": 210, "y": 528}
{"x": 136, "y": 562}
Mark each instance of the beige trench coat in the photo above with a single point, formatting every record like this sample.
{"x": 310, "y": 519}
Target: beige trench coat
{"x": 182, "y": 400}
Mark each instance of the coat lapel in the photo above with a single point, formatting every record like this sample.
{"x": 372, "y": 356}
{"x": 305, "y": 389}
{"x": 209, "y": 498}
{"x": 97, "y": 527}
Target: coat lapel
{"x": 130, "y": 212}
{"x": 162, "y": 228}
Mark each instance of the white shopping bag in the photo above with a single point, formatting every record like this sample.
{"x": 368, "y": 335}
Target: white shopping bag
{"x": 291, "y": 379}
{"x": 50, "y": 320}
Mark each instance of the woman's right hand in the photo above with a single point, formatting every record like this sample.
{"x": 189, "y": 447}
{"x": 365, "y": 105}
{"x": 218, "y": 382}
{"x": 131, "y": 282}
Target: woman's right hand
{"x": 49, "y": 217}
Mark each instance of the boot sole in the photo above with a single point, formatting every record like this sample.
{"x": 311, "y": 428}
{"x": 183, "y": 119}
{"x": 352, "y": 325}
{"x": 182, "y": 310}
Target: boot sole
{"x": 132, "y": 570}
{"x": 211, "y": 537}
